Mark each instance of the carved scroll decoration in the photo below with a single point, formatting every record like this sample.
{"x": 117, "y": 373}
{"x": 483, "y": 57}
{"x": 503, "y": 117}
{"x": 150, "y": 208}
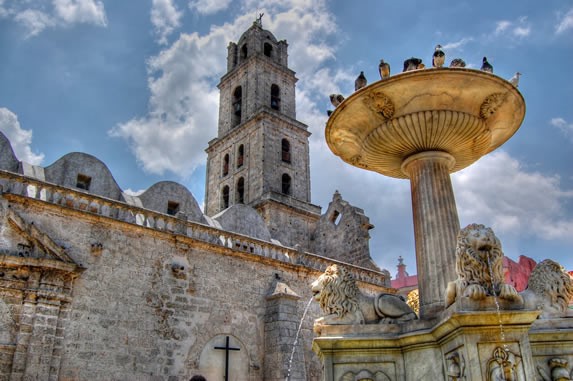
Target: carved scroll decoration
{"x": 490, "y": 104}
{"x": 380, "y": 103}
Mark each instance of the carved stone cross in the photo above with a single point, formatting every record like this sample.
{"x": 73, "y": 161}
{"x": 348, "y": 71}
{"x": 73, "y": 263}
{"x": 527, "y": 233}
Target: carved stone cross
{"x": 227, "y": 348}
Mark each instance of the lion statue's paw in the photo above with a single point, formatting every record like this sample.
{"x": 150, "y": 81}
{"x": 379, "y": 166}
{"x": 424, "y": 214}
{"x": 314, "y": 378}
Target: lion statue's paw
{"x": 475, "y": 292}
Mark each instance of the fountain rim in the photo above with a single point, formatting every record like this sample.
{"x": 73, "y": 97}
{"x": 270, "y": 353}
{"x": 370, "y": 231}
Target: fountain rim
{"x": 382, "y": 84}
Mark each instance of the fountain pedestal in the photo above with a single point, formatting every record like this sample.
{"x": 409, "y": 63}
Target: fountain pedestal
{"x": 422, "y": 126}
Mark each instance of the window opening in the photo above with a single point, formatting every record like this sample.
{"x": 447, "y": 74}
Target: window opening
{"x": 237, "y": 106}
{"x": 172, "y": 208}
{"x": 226, "y": 165}
{"x": 241, "y": 191}
{"x": 240, "y": 156}
{"x": 286, "y": 184}
{"x": 336, "y": 217}
{"x": 244, "y": 51}
{"x": 285, "y": 151}
{"x": 225, "y": 197}
{"x": 83, "y": 182}
{"x": 268, "y": 49}
{"x": 275, "y": 97}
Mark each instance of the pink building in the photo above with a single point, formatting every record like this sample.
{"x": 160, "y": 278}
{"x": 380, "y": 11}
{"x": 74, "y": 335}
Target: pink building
{"x": 516, "y": 274}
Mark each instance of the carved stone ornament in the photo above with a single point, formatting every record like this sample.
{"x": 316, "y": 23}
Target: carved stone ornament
{"x": 491, "y": 103}
{"x": 479, "y": 267}
{"x": 380, "y": 103}
{"x": 557, "y": 370}
{"x": 365, "y": 375}
{"x": 343, "y": 303}
{"x": 413, "y": 300}
{"x": 503, "y": 366}
{"x": 549, "y": 289}
{"x": 456, "y": 367}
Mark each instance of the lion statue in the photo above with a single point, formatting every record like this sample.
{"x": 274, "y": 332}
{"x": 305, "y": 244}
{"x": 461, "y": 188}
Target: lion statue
{"x": 479, "y": 267}
{"x": 343, "y": 303}
{"x": 549, "y": 289}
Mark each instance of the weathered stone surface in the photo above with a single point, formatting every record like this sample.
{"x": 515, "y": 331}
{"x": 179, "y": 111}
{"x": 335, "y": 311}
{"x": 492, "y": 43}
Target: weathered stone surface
{"x": 67, "y": 171}
{"x": 8, "y": 160}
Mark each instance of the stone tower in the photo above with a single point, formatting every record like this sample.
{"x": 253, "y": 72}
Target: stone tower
{"x": 260, "y": 156}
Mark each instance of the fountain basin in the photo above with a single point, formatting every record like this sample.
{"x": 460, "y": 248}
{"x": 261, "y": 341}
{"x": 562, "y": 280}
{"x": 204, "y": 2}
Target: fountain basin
{"x": 463, "y": 112}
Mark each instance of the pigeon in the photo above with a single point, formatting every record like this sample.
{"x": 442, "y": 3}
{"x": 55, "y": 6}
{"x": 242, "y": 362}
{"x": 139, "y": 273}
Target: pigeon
{"x": 458, "y": 62}
{"x": 515, "y": 79}
{"x": 384, "y": 69}
{"x": 486, "y": 66}
{"x": 336, "y": 99}
{"x": 439, "y": 57}
{"x": 360, "y": 82}
{"x": 413, "y": 64}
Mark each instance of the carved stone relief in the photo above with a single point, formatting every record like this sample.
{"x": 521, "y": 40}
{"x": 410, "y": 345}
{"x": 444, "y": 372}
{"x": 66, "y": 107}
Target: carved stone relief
{"x": 556, "y": 370}
{"x": 380, "y": 103}
{"x": 365, "y": 375}
{"x": 503, "y": 366}
{"x": 490, "y": 104}
{"x": 456, "y": 366}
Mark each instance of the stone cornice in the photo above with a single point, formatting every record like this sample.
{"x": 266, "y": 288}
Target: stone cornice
{"x": 23, "y": 190}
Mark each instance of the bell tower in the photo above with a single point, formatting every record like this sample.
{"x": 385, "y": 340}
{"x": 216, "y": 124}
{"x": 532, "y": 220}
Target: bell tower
{"x": 260, "y": 156}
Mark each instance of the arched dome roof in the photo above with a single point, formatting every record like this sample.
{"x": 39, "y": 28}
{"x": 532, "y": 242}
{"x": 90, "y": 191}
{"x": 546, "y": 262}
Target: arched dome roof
{"x": 83, "y": 171}
{"x": 171, "y": 197}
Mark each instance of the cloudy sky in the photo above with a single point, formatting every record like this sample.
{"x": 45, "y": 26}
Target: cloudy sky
{"x": 134, "y": 83}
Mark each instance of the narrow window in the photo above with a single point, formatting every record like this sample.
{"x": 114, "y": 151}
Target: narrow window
{"x": 268, "y": 49}
{"x": 225, "y": 197}
{"x": 237, "y": 106}
{"x": 275, "y": 97}
{"x": 244, "y": 51}
{"x": 241, "y": 191}
{"x": 240, "y": 156}
{"x": 172, "y": 208}
{"x": 226, "y": 165}
{"x": 285, "y": 151}
{"x": 336, "y": 217}
{"x": 286, "y": 186}
{"x": 83, "y": 182}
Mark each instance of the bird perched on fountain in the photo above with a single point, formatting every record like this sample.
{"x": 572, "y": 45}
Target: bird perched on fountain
{"x": 413, "y": 63}
{"x": 486, "y": 66}
{"x": 458, "y": 62}
{"x": 360, "y": 82}
{"x": 384, "y": 69}
{"x": 336, "y": 99}
{"x": 439, "y": 57}
{"x": 515, "y": 79}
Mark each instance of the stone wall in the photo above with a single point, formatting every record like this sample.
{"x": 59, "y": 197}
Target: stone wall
{"x": 157, "y": 293}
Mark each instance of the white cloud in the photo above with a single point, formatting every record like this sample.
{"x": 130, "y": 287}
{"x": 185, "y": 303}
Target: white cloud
{"x": 457, "y": 45}
{"x": 564, "y": 126}
{"x": 208, "y": 7}
{"x": 19, "y": 138}
{"x": 165, "y": 19}
{"x": 498, "y": 192}
{"x": 80, "y": 12}
{"x": 39, "y": 15}
{"x": 565, "y": 23}
{"x": 514, "y": 29}
{"x": 183, "y": 107}
{"x": 34, "y": 21}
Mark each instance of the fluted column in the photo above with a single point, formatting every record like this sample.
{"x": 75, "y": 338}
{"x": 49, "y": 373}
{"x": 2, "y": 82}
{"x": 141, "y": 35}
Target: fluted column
{"x": 436, "y": 225}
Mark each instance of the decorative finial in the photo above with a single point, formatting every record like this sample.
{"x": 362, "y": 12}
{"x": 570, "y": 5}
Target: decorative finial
{"x": 259, "y": 19}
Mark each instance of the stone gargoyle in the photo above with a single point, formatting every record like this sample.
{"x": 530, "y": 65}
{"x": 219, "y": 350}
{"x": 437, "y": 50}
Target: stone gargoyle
{"x": 549, "y": 289}
{"x": 343, "y": 303}
{"x": 479, "y": 267}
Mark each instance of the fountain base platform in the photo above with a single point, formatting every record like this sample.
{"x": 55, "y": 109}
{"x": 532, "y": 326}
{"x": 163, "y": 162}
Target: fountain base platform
{"x": 461, "y": 343}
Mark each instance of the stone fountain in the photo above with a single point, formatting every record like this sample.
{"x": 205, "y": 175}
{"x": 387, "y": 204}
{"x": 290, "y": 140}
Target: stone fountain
{"x": 423, "y": 125}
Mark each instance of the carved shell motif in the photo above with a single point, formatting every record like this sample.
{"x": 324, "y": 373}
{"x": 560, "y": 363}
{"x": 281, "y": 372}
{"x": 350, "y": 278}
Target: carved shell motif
{"x": 380, "y": 103}
{"x": 490, "y": 104}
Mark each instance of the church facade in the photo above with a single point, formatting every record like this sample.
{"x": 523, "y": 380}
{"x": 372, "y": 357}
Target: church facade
{"x": 99, "y": 284}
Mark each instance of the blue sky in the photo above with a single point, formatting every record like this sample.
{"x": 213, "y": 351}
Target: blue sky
{"x": 134, "y": 83}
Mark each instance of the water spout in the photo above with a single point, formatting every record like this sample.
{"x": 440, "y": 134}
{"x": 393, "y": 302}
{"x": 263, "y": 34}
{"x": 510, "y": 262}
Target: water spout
{"x": 296, "y": 339}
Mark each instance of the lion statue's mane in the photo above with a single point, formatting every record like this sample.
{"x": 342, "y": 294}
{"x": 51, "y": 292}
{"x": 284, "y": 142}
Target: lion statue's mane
{"x": 550, "y": 289}
{"x": 343, "y": 303}
{"x": 479, "y": 267}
